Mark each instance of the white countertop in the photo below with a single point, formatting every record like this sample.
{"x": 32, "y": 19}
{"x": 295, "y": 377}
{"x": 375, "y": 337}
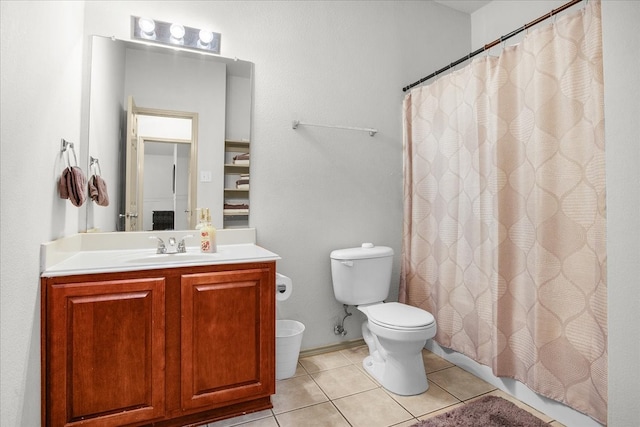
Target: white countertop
{"x": 88, "y": 253}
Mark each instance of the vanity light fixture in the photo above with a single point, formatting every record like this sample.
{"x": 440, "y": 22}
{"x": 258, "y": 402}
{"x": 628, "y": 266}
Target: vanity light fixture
{"x": 150, "y": 30}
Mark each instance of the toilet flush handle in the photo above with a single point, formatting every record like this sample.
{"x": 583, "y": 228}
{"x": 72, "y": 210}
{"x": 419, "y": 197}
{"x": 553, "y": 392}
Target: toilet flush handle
{"x": 347, "y": 263}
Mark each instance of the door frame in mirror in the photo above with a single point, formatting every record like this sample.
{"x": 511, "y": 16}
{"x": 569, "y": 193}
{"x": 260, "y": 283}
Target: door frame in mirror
{"x": 134, "y": 196}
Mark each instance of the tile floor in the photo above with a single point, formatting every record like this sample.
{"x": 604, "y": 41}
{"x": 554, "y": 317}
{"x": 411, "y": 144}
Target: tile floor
{"x": 332, "y": 389}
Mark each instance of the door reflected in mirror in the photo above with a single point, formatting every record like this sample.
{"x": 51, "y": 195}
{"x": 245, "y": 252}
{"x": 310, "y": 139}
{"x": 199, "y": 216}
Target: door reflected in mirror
{"x": 162, "y": 151}
{"x": 218, "y": 90}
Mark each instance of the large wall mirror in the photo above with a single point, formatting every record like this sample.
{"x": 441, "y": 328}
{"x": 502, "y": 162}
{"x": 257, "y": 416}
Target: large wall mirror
{"x": 217, "y": 91}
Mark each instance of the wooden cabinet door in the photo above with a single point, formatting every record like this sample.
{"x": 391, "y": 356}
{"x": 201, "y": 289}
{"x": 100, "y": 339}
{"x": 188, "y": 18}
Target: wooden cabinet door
{"x": 105, "y": 352}
{"x": 227, "y": 337}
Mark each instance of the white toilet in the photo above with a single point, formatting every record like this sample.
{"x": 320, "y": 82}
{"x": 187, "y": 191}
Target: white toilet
{"x": 394, "y": 332}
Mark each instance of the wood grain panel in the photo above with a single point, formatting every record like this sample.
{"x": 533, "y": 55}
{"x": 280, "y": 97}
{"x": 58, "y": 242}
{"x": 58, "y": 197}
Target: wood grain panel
{"x": 223, "y": 331}
{"x": 107, "y": 352}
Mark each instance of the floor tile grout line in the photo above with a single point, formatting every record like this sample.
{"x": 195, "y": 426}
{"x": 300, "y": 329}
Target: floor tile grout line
{"x": 332, "y": 400}
{"x": 377, "y": 386}
{"x": 414, "y": 417}
{"x": 340, "y": 412}
{"x": 354, "y": 362}
{"x": 427, "y": 413}
{"x": 439, "y": 370}
{"x": 357, "y": 366}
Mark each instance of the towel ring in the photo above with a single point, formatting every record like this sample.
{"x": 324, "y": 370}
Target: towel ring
{"x": 66, "y": 145}
{"x": 95, "y": 162}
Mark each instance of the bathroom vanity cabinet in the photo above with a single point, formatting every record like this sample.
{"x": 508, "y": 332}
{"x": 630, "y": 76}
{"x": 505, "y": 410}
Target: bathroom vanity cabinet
{"x": 168, "y": 347}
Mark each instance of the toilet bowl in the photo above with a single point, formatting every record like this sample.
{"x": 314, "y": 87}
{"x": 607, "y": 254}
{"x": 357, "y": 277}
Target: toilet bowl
{"x": 394, "y": 332}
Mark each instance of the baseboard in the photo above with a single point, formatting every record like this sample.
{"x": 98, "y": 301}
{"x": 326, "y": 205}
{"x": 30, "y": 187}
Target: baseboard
{"x": 333, "y": 347}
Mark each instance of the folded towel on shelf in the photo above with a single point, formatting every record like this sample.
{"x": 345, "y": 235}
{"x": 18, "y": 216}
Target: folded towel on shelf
{"x": 241, "y": 159}
{"x": 98, "y": 190}
{"x": 236, "y": 206}
{"x": 235, "y": 212}
{"x": 72, "y": 184}
{"x": 235, "y": 209}
{"x": 242, "y": 184}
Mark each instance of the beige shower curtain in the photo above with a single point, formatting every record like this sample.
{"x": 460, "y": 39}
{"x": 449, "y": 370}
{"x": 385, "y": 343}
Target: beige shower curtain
{"x": 504, "y": 228}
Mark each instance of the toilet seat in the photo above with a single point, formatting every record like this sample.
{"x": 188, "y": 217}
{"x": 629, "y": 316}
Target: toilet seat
{"x": 398, "y": 316}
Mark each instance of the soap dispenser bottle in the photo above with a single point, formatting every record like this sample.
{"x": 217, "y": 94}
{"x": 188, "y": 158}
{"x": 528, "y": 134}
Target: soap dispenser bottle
{"x": 208, "y": 234}
{"x": 201, "y": 218}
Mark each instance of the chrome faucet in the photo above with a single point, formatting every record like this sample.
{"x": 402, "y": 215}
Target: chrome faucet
{"x": 181, "y": 247}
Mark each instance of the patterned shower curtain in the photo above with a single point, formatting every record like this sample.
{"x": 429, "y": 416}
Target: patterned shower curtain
{"x": 504, "y": 224}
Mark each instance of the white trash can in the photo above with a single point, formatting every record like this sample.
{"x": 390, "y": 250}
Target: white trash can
{"x": 288, "y": 341}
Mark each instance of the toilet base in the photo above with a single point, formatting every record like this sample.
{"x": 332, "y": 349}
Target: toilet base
{"x": 405, "y": 377}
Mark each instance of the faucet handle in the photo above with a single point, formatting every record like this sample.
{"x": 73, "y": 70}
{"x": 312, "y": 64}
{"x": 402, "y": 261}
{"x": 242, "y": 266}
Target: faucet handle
{"x": 182, "y": 247}
{"x": 162, "y": 249}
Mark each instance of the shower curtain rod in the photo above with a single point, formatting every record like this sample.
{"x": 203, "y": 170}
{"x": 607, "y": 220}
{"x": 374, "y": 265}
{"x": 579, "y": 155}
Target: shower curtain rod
{"x": 494, "y": 43}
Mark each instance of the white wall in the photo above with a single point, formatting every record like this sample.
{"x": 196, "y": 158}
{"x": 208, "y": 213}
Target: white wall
{"x": 621, "y": 50}
{"x": 41, "y": 74}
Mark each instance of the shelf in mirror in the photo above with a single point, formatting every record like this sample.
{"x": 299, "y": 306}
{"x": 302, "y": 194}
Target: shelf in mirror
{"x": 231, "y": 168}
{"x": 231, "y": 144}
{"x": 236, "y": 171}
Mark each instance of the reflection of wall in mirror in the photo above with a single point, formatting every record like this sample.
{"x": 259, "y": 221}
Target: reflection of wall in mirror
{"x": 105, "y": 115}
{"x": 238, "y": 124}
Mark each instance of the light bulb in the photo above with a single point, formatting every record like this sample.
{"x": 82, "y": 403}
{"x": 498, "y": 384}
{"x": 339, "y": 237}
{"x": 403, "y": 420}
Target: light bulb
{"x": 177, "y": 31}
{"x": 147, "y": 27}
{"x": 206, "y": 37}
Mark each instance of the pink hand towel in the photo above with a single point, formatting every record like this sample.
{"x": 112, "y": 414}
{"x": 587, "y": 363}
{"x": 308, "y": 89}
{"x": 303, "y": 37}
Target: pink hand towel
{"x": 98, "y": 190}
{"x": 72, "y": 184}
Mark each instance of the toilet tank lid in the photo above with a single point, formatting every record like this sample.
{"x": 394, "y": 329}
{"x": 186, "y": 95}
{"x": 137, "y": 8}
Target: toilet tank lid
{"x": 367, "y": 250}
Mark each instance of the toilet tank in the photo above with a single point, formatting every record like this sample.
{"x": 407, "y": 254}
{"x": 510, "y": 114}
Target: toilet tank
{"x": 361, "y": 275}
